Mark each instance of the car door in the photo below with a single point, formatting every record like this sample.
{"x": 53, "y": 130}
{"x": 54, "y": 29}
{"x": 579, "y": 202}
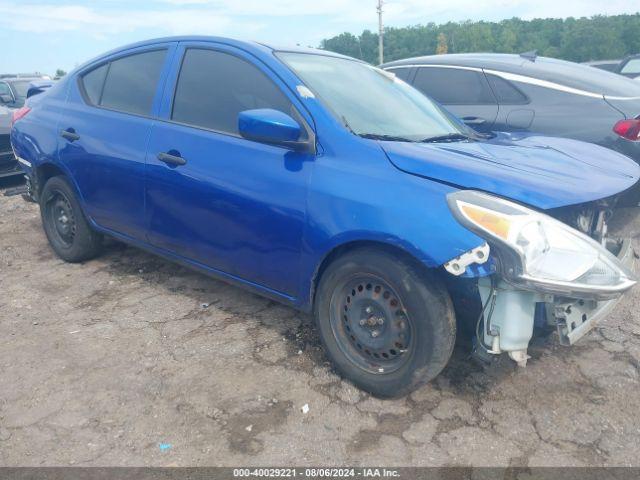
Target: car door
{"x": 6, "y": 95}
{"x": 463, "y": 91}
{"x": 104, "y": 129}
{"x": 515, "y": 111}
{"x": 235, "y": 206}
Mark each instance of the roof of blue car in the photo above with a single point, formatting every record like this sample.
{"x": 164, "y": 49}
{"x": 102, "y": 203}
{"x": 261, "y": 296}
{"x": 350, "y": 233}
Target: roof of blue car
{"x": 242, "y": 44}
{"x": 247, "y": 44}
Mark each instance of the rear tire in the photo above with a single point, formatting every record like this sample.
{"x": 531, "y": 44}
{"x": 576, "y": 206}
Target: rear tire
{"x": 65, "y": 225}
{"x": 386, "y": 323}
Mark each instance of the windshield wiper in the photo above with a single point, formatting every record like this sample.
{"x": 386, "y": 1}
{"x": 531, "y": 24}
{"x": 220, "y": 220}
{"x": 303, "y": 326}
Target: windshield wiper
{"x": 449, "y": 137}
{"x": 388, "y": 138}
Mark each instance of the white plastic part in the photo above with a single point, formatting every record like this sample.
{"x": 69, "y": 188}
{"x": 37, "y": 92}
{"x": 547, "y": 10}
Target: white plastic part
{"x": 459, "y": 265}
{"x": 520, "y": 357}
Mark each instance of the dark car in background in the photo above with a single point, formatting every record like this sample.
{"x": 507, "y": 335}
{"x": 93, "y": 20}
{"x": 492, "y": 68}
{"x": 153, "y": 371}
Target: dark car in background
{"x": 526, "y": 93}
{"x": 608, "y": 65}
{"x": 13, "y": 93}
{"x": 630, "y": 67}
{"x": 8, "y": 163}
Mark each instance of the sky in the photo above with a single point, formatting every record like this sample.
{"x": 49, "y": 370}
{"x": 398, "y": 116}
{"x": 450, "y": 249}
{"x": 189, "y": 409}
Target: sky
{"x": 44, "y": 35}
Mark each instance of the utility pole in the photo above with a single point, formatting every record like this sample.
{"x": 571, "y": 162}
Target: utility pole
{"x": 380, "y": 33}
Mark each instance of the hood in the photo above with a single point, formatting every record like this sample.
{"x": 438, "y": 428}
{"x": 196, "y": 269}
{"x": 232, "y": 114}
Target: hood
{"x": 544, "y": 172}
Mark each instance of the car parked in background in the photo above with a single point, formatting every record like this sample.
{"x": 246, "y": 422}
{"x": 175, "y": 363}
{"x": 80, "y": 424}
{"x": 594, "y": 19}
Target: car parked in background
{"x": 331, "y": 186}
{"x": 37, "y": 87}
{"x": 13, "y": 93}
{"x": 630, "y": 67}
{"x": 526, "y": 93}
{"x": 8, "y": 163}
{"x": 608, "y": 65}
{"x": 13, "y": 90}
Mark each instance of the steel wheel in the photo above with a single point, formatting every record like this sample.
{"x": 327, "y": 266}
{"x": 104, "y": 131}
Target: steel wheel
{"x": 371, "y": 325}
{"x": 59, "y": 213}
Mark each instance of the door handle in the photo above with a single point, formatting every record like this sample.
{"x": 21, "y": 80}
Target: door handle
{"x": 473, "y": 120}
{"x": 169, "y": 159}
{"x": 70, "y": 134}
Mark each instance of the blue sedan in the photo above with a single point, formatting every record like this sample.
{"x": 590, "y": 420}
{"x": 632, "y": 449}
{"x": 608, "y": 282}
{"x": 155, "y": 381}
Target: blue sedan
{"x": 331, "y": 186}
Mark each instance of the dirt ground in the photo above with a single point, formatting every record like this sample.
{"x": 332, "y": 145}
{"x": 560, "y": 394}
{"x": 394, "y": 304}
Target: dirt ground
{"x": 131, "y": 360}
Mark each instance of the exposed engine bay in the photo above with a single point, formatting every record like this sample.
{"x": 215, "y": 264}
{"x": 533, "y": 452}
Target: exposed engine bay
{"x": 591, "y": 219}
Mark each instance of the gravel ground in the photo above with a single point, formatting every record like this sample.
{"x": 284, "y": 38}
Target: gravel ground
{"x": 131, "y": 360}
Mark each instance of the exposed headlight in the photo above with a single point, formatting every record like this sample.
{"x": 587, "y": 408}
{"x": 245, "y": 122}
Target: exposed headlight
{"x": 538, "y": 251}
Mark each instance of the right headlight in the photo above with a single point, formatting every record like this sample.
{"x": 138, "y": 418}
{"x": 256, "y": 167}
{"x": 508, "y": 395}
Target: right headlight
{"x": 538, "y": 251}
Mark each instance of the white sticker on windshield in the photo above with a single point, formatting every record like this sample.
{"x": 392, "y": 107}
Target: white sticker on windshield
{"x": 305, "y": 92}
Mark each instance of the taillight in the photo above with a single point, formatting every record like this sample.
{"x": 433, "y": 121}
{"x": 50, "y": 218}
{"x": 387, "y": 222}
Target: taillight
{"x": 629, "y": 129}
{"x": 18, "y": 114}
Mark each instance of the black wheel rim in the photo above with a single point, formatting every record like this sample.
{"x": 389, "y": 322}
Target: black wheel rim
{"x": 61, "y": 218}
{"x": 371, "y": 325}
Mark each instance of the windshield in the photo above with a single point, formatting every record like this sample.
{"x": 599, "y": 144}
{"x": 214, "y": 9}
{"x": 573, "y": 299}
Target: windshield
{"x": 371, "y": 102}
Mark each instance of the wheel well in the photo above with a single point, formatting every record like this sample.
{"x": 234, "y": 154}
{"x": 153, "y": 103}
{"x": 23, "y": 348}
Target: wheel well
{"x": 346, "y": 248}
{"x": 43, "y": 173}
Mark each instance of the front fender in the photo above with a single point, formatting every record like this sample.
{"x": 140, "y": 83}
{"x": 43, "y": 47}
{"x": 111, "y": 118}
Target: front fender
{"x": 385, "y": 206}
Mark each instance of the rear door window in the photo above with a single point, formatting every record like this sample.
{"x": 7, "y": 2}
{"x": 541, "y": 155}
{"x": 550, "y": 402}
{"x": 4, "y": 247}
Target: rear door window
{"x": 128, "y": 84}
{"x": 401, "y": 73}
{"x": 454, "y": 86}
{"x": 506, "y": 92}
{"x": 214, "y": 87}
{"x": 93, "y": 83}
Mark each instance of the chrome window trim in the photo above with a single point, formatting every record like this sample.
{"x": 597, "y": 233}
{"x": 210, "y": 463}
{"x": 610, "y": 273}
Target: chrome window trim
{"x": 515, "y": 77}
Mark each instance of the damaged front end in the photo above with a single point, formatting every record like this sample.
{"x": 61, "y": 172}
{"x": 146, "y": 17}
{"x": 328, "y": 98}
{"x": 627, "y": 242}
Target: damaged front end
{"x": 538, "y": 269}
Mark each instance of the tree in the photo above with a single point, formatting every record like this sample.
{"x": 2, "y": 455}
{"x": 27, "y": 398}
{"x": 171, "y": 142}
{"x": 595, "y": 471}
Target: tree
{"x": 345, "y": 43}
{"x": 442, "y": 47}
{"x": 578, "y": 40}
{"x": 60, "y": 73}
{"x": 507, "y": 40}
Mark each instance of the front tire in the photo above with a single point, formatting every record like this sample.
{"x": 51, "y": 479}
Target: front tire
{"x": 386, "y": 323}
{"x": 65, "y": 225}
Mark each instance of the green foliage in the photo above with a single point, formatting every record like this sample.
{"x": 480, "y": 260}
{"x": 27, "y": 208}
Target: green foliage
{"x": 575, "y": 39}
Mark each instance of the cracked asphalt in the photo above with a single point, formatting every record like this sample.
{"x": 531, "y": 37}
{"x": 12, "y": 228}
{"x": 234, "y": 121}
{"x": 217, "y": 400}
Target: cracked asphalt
{"x": 130, "y": 360}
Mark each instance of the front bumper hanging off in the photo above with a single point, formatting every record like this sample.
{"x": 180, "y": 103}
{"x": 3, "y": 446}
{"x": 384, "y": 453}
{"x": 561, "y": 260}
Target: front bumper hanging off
{"x": 510, "y": 313}
{"x": 574, "y": 318}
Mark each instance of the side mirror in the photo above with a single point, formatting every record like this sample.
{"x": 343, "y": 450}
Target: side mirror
{"x": 271, "y": 126}
{"x": 6, "y": 98}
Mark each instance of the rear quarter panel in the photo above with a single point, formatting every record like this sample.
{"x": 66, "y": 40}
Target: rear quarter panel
{"x": 569, "y": 115}
{"x": 34, "y": 137}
